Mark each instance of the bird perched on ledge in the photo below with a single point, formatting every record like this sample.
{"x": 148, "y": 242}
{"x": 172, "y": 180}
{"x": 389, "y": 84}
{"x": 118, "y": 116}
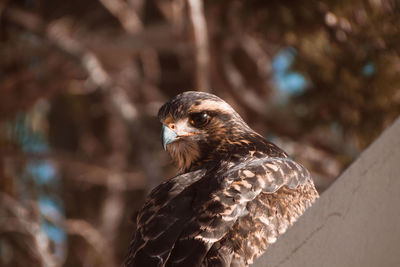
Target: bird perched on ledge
{"x": 235, "y": 194}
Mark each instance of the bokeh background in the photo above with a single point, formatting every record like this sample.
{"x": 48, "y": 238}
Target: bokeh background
{"x": 81, "y": 83}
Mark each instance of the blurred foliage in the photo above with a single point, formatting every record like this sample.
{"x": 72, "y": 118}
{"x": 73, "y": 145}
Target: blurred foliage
{"x": 81, "y": 83}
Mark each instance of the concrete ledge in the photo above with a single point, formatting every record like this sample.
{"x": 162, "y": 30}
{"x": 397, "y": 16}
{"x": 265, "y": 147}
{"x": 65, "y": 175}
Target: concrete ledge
{"x": 356, "y": 222}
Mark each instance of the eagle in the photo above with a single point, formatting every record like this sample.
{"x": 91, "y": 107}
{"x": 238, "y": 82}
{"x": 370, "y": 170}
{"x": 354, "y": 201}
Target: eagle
{"x": 235, "y": 192}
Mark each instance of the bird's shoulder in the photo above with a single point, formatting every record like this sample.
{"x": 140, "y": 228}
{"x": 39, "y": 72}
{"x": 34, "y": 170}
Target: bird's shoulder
{"x": 162, "y": 195}
{"x": 184, "y": 216}
{"x": 160, "y": 221}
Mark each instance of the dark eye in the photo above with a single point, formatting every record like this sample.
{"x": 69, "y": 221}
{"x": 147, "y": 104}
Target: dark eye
{"x": 199, "y": 119}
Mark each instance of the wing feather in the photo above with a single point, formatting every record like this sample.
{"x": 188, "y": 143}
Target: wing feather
{"x": 241, "y": 184}
{"x": 160, "y": 221}
{"x": 185, "y": 216}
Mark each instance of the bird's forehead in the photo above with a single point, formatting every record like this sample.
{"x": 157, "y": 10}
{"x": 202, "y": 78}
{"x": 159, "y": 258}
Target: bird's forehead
{"x": 212, "y": 105}
{"x": 182, "y": 105}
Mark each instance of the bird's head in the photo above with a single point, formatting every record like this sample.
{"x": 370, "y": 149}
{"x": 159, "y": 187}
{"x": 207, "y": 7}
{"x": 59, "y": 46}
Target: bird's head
{"x": 197, "y": 127}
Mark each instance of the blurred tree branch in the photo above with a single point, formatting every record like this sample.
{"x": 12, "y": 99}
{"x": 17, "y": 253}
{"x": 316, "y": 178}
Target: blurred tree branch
{"x": 92, "y": 237}
{"x": 85, "y": 171}
{"x": 125, "y": 14}
{"x": 20, "y": 228}
{"x": 201, "y": 43}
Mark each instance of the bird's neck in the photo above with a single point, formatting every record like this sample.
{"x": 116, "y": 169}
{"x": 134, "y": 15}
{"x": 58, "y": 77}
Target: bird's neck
{"x": 235, "y": 147}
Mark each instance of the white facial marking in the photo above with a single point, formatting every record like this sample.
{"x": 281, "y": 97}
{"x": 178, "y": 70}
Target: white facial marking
{"x": 214, "y": 106}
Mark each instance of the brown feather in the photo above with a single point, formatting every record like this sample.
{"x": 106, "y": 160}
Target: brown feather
{"x": 235, "y": 195}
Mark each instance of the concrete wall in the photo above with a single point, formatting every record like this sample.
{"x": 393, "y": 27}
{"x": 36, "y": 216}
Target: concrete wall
{"x": 356, "y": 222}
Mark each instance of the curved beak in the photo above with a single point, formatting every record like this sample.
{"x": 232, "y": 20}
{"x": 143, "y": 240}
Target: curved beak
{"x": 167, "y": 136}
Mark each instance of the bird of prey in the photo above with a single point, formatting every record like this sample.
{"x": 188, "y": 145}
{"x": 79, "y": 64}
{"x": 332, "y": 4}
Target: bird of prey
{"x": 235, "y": 193}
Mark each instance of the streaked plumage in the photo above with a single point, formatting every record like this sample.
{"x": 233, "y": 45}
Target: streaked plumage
{"x": 235, "y": 195}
